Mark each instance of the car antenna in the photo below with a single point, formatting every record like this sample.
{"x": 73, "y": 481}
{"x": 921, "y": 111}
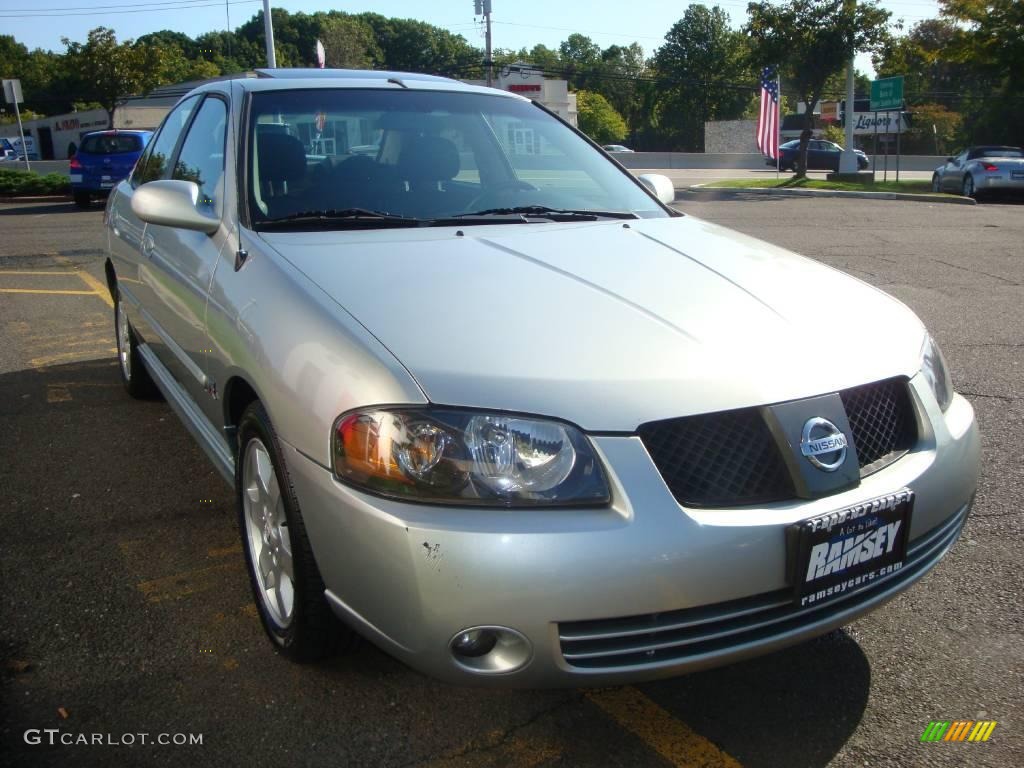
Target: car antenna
{"x": 396, "y": 81}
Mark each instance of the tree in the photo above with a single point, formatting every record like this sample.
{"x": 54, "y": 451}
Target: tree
{"x": 933, "y": 129}
{"x": 812, "y": 40}
{"x": 106, "y": 70}
{"x": 348, "y": 43}
{"x": 598, "y": 119}
{"x": 990, "y": 44}
{"x": 621, "y": 68}
{"x": 580, "y": 60}
{"x": 705, "y": 75}
{"x": 415, "y": 46}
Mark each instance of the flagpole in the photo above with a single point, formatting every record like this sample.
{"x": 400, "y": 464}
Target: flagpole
{"x": 778, "y": 127}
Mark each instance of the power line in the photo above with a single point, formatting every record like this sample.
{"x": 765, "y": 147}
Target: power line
{"x": 95, "y": 7}
{"x": 151, "y": 9}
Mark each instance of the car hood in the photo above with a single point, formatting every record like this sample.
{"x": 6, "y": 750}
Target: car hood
{"x": 608, "y": 324}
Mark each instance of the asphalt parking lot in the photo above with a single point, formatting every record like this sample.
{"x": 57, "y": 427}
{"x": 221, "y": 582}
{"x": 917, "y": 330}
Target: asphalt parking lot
{"x": 125, "y": 606}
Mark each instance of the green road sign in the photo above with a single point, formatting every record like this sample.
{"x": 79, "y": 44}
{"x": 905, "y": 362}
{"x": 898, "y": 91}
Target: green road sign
{"x": 887, "y": 93}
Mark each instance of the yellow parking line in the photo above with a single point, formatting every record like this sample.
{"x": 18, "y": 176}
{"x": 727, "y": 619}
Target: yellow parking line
{"x": 53, "y": 293}
{"x": 21, "y": 272}
{"x": 187, "y": 583}
{"x": 672, "y": 739}
{"x": 45, "y": 360}
{"x": 99, "y": 288}
{"x": 56, "y": 393}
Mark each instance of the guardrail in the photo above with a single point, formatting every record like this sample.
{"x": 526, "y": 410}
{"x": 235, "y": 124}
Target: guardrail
{"x": 712, "y": 160}
{"x": 646, "y": 160}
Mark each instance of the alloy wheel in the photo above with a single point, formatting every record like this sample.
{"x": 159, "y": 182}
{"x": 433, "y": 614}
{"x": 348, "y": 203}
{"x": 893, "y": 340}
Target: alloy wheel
{"x": 124, "y": 342}
{"x": 269, "y": 543}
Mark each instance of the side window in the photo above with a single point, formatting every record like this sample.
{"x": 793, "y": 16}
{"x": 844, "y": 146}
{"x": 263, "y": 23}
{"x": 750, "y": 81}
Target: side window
{"x": 154, "y": 163}
{"x": 201, "y": 158}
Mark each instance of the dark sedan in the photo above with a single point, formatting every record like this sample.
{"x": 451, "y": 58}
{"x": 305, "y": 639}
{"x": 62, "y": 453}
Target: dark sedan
{"x": 821, "y": 156}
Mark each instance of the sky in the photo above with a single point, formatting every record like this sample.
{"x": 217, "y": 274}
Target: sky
{"x": 42, "y": 23}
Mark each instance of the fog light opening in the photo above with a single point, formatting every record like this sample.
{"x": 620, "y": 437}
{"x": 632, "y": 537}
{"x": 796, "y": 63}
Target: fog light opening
{"x": 474, "y": 643}
{"x": 490, "y": 650}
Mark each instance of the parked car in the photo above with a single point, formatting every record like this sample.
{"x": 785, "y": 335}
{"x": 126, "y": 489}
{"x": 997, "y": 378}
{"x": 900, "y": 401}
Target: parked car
{"x": 102, "y": 160}
{"x": 615, "y": 148}
{"x": 982, "y": 170}
{"x": 508, "y": 415}
{"x": 821, "y": 156}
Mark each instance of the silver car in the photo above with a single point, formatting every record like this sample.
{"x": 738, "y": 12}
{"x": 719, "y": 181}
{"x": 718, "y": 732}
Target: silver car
{"x": 982, "y": 170}
{"x": 486, "y": 400}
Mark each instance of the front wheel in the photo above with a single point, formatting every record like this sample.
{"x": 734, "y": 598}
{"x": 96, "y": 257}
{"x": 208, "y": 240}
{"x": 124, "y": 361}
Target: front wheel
{"x": 134, "y": 375}
{"x": 286, "y": 582}
{"x": 936, "y": 183}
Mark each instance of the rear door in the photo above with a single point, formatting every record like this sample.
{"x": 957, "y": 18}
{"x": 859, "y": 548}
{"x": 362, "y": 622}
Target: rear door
{"x": 183, "y": 262}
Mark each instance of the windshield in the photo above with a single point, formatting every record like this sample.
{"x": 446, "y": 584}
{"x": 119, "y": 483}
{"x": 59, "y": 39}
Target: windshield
{"x": 111, "y": 144}
{"x": 423, "y": 155}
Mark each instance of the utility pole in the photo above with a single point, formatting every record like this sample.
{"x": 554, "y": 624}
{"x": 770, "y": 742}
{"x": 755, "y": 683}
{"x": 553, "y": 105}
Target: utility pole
{"x": 268, "y": 28}
{"x": 483, "y": 8}
{"x": 848, "y": 160}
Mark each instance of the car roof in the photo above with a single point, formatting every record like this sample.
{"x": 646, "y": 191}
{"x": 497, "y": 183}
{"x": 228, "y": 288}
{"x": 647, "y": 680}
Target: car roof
{"x": 307, "y": 78}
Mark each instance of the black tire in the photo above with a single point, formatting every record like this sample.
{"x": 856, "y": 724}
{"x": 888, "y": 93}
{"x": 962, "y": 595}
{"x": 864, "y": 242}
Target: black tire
{"x": 312, "y": 631}
{"x": 936, "y": 183}
{"x": 136, "y": 379}
{"x": 82, "y": 199}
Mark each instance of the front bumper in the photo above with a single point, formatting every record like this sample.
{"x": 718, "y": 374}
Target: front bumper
{"x": 576, "y": 581}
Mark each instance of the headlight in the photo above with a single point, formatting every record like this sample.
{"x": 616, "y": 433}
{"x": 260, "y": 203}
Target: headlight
{"x": 467, "y": 457}
{"x": 933, "y": 366}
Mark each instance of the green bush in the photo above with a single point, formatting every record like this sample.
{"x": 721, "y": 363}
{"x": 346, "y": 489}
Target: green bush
{"x": 15, "y": 183}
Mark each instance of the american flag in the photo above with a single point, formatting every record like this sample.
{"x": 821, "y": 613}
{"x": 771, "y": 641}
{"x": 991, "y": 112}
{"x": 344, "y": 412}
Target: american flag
{"x": 768, "y": 117}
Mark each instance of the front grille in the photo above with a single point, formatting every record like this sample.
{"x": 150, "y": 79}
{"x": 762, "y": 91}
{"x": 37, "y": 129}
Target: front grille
{"x": 707, "y": 631}
{"x": 882, "y": 421}
{"x": 718, "y": 459}
{"x": 731, "y": 459}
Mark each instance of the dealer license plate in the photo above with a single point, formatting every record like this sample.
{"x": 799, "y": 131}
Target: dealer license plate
{"x": 850, "y": 548}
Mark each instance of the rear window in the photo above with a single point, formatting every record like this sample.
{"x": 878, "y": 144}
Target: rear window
{"x": 111, "y": 145}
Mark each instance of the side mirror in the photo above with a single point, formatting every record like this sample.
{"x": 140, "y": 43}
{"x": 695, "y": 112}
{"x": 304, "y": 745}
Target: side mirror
{"x": 661, "y": 186}
{"x": 172, "y": 203}
{"x": 949, "y": 160}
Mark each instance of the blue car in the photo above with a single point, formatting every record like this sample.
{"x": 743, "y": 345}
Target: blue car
{"x": 102, "y": 160}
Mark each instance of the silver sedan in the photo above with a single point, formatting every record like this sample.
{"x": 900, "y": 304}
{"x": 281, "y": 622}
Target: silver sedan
{"x": 981, "y": 171}
{"x": 488, "y": 401}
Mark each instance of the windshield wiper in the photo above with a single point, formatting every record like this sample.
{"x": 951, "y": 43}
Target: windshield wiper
{"x": 555, "y": 214}
{"x": 341, "y": 218}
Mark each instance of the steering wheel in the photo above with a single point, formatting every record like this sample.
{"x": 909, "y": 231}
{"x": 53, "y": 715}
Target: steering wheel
{"x": 498, "y": 195}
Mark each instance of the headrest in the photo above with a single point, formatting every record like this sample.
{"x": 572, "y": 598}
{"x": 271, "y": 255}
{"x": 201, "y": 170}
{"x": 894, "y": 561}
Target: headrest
{"x": 429, "y": 159}
{"x": 281, "y": 157}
